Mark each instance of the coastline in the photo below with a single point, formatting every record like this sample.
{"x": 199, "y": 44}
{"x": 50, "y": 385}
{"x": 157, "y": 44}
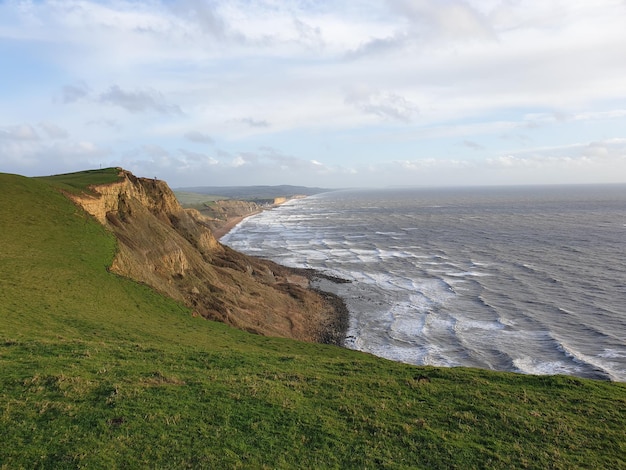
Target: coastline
{"x": 333, "y": 330}
{"x": 230, "y": 224}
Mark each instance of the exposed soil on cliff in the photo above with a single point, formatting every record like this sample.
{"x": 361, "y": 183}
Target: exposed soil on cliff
{"x": 174, "y": 251}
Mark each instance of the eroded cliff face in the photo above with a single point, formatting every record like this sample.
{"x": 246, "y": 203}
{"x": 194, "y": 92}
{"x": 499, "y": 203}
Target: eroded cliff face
{"x": 227, "y": 209}
{"x": 173, "y": 250}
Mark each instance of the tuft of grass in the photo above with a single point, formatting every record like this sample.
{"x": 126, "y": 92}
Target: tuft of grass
{"x": 101, "y": 372}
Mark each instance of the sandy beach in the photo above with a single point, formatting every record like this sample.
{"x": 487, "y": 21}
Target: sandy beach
{"x": 230, "y": 224}
{"x": 219, "y": 232}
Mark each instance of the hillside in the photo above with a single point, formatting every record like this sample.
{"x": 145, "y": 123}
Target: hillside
{"x": 174, "y": 251}
{"x": 99, "y": 371}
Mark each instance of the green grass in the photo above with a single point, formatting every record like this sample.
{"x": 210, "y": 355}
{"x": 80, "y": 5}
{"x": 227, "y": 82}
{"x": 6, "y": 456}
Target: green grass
{"x": 196, "y": 200}
{"x": 100, "y": 372}
{"x": 80, "y": 181}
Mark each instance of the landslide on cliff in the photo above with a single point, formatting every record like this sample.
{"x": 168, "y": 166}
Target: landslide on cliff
{"x": 173, "y": 250}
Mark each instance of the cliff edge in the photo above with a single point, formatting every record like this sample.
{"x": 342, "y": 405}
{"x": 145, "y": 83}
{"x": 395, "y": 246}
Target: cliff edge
{"x": 173, "y": 250}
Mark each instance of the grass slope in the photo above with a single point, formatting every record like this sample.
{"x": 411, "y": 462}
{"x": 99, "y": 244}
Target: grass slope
{"x": 196, "y": 199}
{"x": 80, "y": 181}
{"x": 100, "y": 372}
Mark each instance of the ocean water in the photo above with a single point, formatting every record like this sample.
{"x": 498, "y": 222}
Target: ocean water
{"x": 524, "y": 279}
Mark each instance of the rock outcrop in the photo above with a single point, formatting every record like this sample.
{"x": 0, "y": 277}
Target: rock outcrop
{"x": 174, "y": 251}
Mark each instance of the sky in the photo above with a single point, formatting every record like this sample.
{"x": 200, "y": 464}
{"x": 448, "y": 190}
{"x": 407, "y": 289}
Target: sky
{"x": 342, "y": 93}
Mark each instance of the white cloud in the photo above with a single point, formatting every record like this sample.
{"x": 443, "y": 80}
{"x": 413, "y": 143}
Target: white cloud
{"x": 331, "y": 87}
{"x": 53, "y": 131}
{"x": 41, "y": 157}
{"x": 238, "y": 161}
{"x": 202, "y": 15}
{"x": 593, "y": 155}
{"x": 22, "y": 132}
{"x": 72, "y": 93}
{"x": 138, "y": 101}
{"x": 104, "y": 123}
{"x": 430, "y": 163}
{"x": 448, "y": 20}
{"x": 382, "y": 104}
{"x": 200, "y": 137}
{"x": 512, "y": 161}
{"x": 472, "y": 145}
{"x": 198, "y": 157}
{"x": 254, "y": 122}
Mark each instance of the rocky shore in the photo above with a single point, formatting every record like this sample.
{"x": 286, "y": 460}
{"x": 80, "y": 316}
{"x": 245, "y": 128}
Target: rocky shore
{"x": 335, "y": 329}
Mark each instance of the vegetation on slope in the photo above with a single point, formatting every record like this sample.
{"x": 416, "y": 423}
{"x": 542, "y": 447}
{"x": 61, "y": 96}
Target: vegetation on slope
{"x": 80, "y": 181}
{"x": 197, "y": 200}
{"x": 101, "y": 372}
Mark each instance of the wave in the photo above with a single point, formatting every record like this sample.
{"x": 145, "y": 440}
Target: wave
{"x": 511, "y": 288}
{"x": 605, "y": 369}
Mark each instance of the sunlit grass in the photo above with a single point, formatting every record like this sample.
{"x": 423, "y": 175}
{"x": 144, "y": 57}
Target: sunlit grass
{"x": 80, "y": 181}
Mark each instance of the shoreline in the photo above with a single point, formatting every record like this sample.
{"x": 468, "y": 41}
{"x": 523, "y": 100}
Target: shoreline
{"x": 335, "y": 329}
{"x": 230, "y": 224}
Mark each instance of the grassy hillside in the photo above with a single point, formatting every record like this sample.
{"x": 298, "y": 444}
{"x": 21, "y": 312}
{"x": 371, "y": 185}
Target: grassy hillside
{"x": 196, "y": 200}
{"x": 100, "y": 372}
{"x": 76, "y": 182}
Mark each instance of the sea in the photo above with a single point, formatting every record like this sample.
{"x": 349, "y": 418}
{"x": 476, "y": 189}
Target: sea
{"x": 526, "y": 279}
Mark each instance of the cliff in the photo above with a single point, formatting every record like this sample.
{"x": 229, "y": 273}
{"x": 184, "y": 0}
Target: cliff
{"x": 221, "y": 216}
{"x": 229, "y": 208}
{"x": 173, "y": 250}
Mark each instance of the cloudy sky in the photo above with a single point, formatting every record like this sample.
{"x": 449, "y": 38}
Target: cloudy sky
{"x": 320, "y": 93}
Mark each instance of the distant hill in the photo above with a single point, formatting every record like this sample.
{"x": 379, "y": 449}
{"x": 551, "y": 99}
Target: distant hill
{"x": 254, "y": 193}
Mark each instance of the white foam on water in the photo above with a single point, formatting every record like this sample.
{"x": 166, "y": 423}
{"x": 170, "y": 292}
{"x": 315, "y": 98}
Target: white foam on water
{"x": 438, "y": 326}
{"x": 393, "y": 235}
{"x": 365, "y": 256}
{"x": 438, "y": 357}
{"x": 311, "y": 255}
{"x": 416, "y": 297}
{"x": 408, "y": 322}
{"x": 340, "y": 254}
{"x": 466, "y": 274}
{"x": 382, "y": 280}
{"x": 605, "y": 366}
{"x": 530, "y": 365}
{"x": 427, "y": 354}
{"x": 464, "y": 325}
{"x": 613, "y": 354}
{"x": 480, "y": 263}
